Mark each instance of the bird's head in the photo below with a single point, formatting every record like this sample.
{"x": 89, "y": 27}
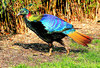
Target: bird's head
{"x": 23, "y": 12}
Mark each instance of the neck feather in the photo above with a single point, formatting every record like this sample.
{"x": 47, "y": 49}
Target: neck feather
{"x": 28, "y": 15}
{"x": 31, "y": 17}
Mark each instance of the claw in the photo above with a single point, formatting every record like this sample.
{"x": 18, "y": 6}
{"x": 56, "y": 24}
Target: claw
{"x": 48, "y": 54}
{"x": 67, "y": 51}
{"x": 50, "y": 51}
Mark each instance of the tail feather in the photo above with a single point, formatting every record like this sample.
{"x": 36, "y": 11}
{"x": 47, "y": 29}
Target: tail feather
{"x": 85, "y": 36}
{"x": 78, "y": 41}
{"x": 80, "y": 38}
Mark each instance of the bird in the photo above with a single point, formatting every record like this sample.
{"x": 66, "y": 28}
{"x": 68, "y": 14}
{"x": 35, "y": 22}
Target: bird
{"x": 50, "y": 28}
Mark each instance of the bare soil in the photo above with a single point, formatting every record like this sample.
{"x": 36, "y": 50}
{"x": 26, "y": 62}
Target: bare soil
{"x": 27, "y": 48}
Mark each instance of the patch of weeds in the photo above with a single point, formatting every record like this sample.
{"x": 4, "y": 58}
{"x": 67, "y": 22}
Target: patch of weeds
{"x": 57, "y": 56}
{"x": 86, "y": 60}
{"x": 22, "y": 66}
{"x": 96, "y": 41}
{"x": 10, "y": 62}
{"x": 30, "y": 58}
{"x": 74, "y": 45}
{"x": 78, "y": 48}
{"x": 38, "y": 60}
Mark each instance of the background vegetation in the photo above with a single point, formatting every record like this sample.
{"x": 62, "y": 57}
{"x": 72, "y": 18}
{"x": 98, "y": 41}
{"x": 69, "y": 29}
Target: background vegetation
{"x": 73, "y": 9}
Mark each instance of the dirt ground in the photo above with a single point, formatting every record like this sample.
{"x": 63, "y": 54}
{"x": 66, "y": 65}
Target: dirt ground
{"x": 27, "y": 48}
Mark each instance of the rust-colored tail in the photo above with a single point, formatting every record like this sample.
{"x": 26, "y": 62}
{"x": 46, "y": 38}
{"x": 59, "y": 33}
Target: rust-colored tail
{"x": 80, "y": 38}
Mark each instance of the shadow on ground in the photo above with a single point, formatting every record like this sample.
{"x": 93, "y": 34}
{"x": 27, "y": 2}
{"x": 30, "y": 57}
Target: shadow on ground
{"x": 45, "y": 48}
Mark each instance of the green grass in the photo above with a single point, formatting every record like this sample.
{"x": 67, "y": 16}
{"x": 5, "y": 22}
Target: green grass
{"x": 22, "y": 66}
{"x": 96, "y": 41}
{"x": 89, "y": 58}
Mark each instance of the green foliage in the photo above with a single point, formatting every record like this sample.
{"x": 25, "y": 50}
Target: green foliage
{"x": 22, "y": 66}
{"x": 91, "y": 0}
{"x": 9, "y": 10}
{"x": 96, "y": 41}
{"x": 13, "y": 0}
{"x": 93, "y": 5}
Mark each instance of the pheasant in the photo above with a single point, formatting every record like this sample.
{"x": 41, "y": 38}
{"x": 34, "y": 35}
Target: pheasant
{"x": 51, "y": 28}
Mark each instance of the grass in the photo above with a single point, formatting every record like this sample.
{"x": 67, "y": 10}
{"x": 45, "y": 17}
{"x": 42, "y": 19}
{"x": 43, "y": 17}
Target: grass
{"x": 22, "y": 66}
{"x": 89, "y": 58}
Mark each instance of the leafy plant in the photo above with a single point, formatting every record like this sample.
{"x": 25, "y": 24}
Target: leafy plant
{"x": 10, "y": 23}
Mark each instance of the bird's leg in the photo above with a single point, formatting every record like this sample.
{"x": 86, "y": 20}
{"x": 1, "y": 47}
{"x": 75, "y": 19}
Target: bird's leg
{"x": 66, "y": 47}
{"x": 50, "y": 50}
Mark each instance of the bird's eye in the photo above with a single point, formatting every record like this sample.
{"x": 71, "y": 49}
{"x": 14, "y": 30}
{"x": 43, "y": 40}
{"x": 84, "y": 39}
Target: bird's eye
{"x": 21, "y": 11}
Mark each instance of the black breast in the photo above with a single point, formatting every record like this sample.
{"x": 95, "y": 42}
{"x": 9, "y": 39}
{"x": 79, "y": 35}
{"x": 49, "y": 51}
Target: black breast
{"x": 39, "y": 29}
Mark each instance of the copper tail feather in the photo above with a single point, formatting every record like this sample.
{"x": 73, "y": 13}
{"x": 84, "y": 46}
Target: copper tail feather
{"x": 80, "y": 38}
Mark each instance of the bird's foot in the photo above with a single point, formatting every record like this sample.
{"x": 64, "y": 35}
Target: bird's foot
{"x": 46, "y": 54}
{"x": 68, "y": 50}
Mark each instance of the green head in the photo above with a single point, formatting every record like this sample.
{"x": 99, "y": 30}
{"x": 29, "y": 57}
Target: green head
{"x": 23, "y": 11}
